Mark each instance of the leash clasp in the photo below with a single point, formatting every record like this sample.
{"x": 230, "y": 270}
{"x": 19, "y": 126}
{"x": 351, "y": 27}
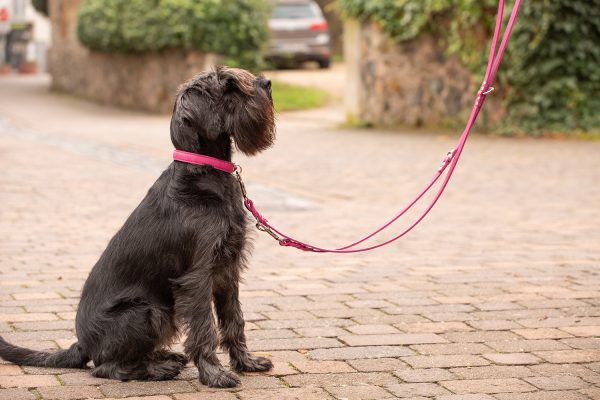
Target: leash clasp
{"x": 447, "y": 160}
{"x": 270, "y": 231}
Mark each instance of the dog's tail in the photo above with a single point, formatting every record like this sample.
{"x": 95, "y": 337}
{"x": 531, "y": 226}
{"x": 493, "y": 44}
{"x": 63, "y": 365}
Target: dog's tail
{"x": 73, "y": 357}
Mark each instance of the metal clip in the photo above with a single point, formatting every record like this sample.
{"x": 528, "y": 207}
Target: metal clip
{"x": 447, "y": 160}
{"x": 263, "y": 228}
{"x": 237, "y": 176}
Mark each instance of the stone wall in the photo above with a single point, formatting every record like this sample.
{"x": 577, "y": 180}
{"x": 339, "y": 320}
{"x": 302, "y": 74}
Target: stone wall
{"x": 142, "y": 82}
{"x": 412, "y": 83}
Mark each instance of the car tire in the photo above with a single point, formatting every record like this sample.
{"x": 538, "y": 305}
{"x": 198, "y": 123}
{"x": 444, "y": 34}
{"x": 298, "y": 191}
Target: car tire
{"x": 324, "y": 64}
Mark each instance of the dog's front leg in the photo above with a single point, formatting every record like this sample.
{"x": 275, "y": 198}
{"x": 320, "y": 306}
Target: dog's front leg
{"x": 231, "y": 323}
{"x": 194, "y": 306}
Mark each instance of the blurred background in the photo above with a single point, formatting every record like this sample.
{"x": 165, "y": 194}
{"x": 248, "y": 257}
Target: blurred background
{"x": 386, "y": 63}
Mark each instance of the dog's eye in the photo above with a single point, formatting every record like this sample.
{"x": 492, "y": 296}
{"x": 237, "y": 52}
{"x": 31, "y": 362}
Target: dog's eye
{"x": 186, "y": 122}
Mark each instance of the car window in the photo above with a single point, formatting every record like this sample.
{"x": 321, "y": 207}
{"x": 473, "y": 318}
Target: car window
{"x": 284, "y": 11}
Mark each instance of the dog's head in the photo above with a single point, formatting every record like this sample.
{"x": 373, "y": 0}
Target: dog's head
{"x": 224, "y": 104}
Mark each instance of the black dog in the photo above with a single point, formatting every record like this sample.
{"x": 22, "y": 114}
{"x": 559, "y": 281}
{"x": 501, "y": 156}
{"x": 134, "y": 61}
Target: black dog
{"x": 180, "y": 252}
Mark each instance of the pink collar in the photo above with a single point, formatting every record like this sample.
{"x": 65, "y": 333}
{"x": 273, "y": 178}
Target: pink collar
{"x": 199, "y": 159}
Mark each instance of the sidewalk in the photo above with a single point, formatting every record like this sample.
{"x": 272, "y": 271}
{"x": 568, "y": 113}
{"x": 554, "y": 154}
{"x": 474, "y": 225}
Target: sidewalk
{"x": 496, "y": 296}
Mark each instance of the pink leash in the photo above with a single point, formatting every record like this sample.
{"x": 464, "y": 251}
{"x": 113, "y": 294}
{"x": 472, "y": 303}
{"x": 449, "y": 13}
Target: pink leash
{"x": 448, "y": 164}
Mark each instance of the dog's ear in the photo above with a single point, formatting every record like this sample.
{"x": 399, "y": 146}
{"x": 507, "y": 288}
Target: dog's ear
{"x": 192, "y": 119}
{"x": 250, "y": 118}
{"x": 236, "y": 80}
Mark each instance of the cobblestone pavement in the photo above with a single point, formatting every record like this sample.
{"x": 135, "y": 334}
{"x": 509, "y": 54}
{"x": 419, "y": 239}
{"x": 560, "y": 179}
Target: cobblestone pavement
{"x": 496, "y": 296}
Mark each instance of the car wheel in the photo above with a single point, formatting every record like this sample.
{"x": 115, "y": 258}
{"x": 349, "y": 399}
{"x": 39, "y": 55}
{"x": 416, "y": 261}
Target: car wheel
{"x": 323, "y": 64}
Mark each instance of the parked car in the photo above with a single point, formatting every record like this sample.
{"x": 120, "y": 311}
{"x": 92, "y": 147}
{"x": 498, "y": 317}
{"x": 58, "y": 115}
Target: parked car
{"x": 299, "y": 33}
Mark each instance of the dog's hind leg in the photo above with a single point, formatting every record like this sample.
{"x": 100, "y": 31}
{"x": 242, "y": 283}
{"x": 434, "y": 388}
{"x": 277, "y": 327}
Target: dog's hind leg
{"x": 132, "y": 328}
{"x": 231, "y": 324}
{"x": 193, "y": 303}
{"x": 145, "y": 370}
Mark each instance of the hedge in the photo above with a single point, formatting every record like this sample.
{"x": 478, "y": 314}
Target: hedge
{"x": 551, "y": 67}
{"x": 236, "y": 29}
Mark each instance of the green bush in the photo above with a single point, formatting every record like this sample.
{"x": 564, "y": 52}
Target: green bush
{"x": 551, "y": 66}
{"x": 236, "y": 29}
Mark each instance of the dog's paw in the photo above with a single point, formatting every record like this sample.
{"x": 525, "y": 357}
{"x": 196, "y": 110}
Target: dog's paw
{"x": 251, "y": 364}
{"x": 178, "y": 358}
{"x": 223, "y": 379}
{"x": 164, "y": 371}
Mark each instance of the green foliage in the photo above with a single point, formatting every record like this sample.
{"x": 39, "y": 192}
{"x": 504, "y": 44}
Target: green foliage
{"x": 236, "y": 29}
{"x": 554, "y": 67}
{"x": 551, "y": 67}
{"x": 41, "y": 6}
{"x": 288, "y": 97}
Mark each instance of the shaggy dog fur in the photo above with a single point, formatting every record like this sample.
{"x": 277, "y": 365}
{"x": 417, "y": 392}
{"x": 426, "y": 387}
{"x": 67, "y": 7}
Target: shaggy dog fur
{"x": 179, "y": 254}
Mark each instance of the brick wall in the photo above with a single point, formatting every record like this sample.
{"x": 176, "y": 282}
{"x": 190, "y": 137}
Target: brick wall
{"x": 144, "y": 82}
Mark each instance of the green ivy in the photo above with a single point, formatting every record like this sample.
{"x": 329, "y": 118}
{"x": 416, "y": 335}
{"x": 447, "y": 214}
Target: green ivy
{"x": 551, "y": 67}
{"x": 236, "y": 29}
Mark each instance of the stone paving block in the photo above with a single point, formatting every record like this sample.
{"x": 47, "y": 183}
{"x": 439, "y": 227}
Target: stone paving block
{"x": 10, "y": 369}
{"x": 295, "y": 323}
{"x": 583, "y": 331}
{"x": 558, "y": 322}
{"x": 557, "y": 382}
{"x": 27, "y": 381}
{"x": 358, "y": 392}
{"x": 498, "y": 306}
{"x": 353, "y": 353}
{"x": 434, "y": 327}
{"x": 512, "y": 358}
{"x": 45, "y": 325}
{"x": 551, "y": 395}
{"x": 203, "y": 395}
{"x": 489, "y": 386}
{"x": 270, "y": 334}
{"x": 480, "y": 336}
{"x": 513, "y": 346}
{"x": 494, "y": 325}
{"x": 50, "y": 371}
{"x": 541, "y": 333}
{"x": 386, "y": 319}
{"x": 589, "y": 343}
{"x": 583, "y": 371}
{"x": 252, "y": 381}
{"x": 492, "y": 372}
{"x": 308, "y": 393}
{"x": 592, "y": 392}
{"x": 372, "y": 329}
{"x": 445, "y": 361}
{"x": 28, "y": 317}
{"x": 377, "y": 364}
{"x": 392, "y": 339}
{"x": 425, "y": 375}
{"x": 404, "y": 390}
{"x": 129, "y": 389}
{"x": 466, "y": 397}
{"x": 82, "y": 378}
{"x": 322, "y": 367}
{"x": 16, "y": 394}
{"x": 69, "y": 392}
{"x": 281, "y": 368}
{"x": 321, "y": 331}
{"x": 451, "y": 348}
{"x": 293, "y": 344}
{"x": 341, "y": 379}
{"x": 36, "y": 296}
{"x": 569, "y": 356}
